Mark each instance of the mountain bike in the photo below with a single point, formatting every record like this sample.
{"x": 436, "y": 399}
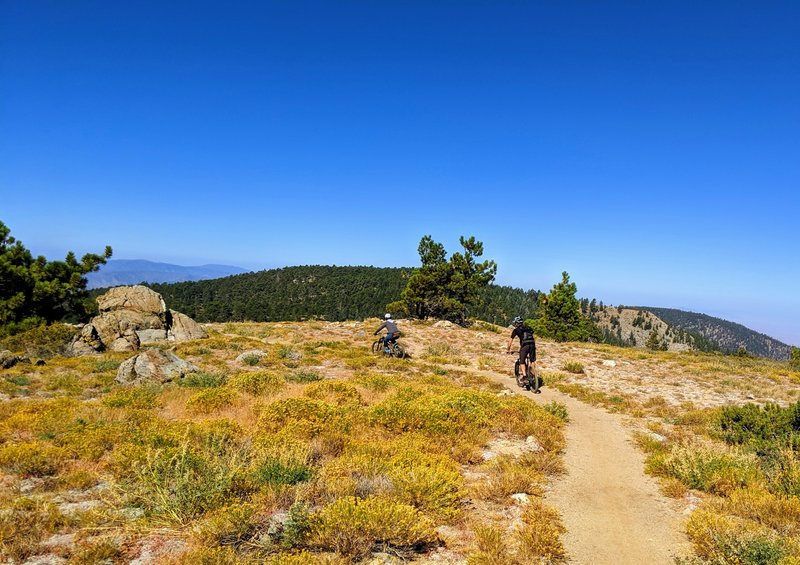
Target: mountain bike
{"x": 395, "y": 350}
{"x": 531, "y": 381}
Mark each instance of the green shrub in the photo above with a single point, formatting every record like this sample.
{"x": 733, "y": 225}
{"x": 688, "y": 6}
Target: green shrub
{"x": 41, "y": 341}
{"x": 106, "y": 365}
{"x": 558, "y": 410}
{"x": 296, "y": 527}
{"x": 762, "y": 428}
{"x": 202, "y": 379}
{"x": 353, "y": 527}
{"x": 258, "y": 383}
{"x": 305, "y": 416}
{"x": 277, "y": 472}
{"x": 727, "y": 539}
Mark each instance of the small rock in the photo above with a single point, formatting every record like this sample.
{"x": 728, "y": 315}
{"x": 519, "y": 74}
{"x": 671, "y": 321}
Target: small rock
{"x": 750, "y": 397}
{"x": 29, "y": 485}
{"x": 521, "y": 498}
{"x": 609, "y": 363}
{"x": 505, "y": 392}
{"x": 251, "y": 354}
{"x": 444, "y": 324}
{"x": 487, "y": 455}
{"x": 658, "y": 437}
{"x": 361, "y": 333}
{"x": 46, "y": 559}
{"x": 159, "y": 550}
{"x": 75, "y": 507}
{"x": 59, "y": 541}
{"x": 132, "y": 513}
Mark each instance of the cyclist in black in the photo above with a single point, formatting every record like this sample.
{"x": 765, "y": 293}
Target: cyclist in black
{"x": 527, "y": 344}
{"x": 392, "y": 333}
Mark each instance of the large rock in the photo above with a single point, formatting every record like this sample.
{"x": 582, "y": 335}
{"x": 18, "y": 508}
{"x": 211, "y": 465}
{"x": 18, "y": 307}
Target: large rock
{"x": 136, "y": 298}
{"x": 153, "y": 365}
{"x": 130, "y": 316}
{"x": 8, "y": 359}
{"x": 183, "y": 328}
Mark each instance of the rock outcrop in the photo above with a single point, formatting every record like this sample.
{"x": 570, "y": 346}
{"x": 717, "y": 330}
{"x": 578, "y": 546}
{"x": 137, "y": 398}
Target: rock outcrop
{"x": 130, "y": 316}
{"x": 153, "y": 365}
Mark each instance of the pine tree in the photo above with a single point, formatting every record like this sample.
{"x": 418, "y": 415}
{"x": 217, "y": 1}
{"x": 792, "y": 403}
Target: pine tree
{"x": 560, "y": 315}
{"x": 446, "y": 289}
{"x": 36, "y": 291}
{"x": 652, "y": 341}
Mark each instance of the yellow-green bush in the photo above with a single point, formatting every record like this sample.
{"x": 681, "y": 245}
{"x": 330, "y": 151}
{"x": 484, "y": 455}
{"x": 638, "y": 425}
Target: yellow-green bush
{"x": 728, "y": 539}
{"x": 334, "y": 392}
{"x": 133, "y": 397}
{"x": 34, "y": 458}
{"x": 210, "y": 400}
{"x": 429, "y": 482}
{"x": 234, "y": 525}
{"x": 446, "y": 412}
{"x": 353, "y": 526}
{"x": 258, "y": 383}
{"x": 304, "y": 416}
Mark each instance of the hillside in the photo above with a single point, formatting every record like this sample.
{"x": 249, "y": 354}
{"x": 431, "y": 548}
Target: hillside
{"x": 320, "y": 292}
{"x": 633, "y": 328}
{"x": 296, "y": 444}
{"x": 118, "y": 272}
{"x": 729, "y": 335}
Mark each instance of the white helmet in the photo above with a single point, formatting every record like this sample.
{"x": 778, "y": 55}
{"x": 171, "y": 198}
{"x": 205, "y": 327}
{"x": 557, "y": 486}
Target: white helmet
{"x": 387, "y": 316}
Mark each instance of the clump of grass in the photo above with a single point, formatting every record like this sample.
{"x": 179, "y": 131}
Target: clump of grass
{"x": 25, "y": 522}
{"x": 508, "y": 477}
{"x": 177, "y": 484}
{"x": 377, "y": 382}
{"x": 492, "y": 548}
{"x": 539, "y": 537}
{"x": 302, "y": 377}
{"x": 728, "y": 539}
{"x": 106, "y": 365}
{"x": 353, "y": 526}
{"x": 573, "y": 367}
{"x": 305, "y": 416}
{"x": 258, "y": 383}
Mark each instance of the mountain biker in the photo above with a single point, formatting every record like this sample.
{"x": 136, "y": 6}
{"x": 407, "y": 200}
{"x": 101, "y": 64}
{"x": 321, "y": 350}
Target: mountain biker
{"x": 392, "y": 333}
{"x": 527, "y": 344}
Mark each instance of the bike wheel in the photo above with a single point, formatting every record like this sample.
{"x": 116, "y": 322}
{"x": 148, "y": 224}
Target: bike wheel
{"x": 398, "y": 351}
{"x": 533, "y": 379}
{"x": 377, "y": 346}
{"x": 518, "y": 376}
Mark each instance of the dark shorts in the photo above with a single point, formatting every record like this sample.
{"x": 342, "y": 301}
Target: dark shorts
{"x": 525, "y": 351}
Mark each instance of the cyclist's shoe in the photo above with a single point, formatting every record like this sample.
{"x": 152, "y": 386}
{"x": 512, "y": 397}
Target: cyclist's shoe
{"x": 527, "y": 387}
{"x": 537, "y": 391}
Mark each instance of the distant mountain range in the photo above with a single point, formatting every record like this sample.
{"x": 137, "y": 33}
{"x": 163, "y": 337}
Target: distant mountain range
{"x": 134, "y": 271}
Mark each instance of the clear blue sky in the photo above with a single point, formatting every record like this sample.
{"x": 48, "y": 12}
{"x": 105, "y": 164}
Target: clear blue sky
{"x": 649, "y": 149}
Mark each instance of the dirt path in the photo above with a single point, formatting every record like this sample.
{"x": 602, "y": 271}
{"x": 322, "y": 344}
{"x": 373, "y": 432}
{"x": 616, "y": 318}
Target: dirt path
{"x": 613, "y": 512}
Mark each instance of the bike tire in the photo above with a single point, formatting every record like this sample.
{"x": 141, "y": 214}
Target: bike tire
{"x": 533, "y": 379}
{"x": 377, "y": 346}
{"x": 518, "y": 376}
{"x": 398, "y": 351}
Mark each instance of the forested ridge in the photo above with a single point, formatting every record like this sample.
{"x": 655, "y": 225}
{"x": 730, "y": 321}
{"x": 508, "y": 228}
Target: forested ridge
{"x": 730, "y": 336}
{"x": 324, "y": 292}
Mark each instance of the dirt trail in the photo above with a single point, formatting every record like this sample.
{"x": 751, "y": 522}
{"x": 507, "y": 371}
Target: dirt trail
{"x": 613, "y": 512}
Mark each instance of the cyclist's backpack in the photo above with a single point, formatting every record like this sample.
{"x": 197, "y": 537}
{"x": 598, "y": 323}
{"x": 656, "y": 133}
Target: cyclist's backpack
{"x": 527, "y": 336}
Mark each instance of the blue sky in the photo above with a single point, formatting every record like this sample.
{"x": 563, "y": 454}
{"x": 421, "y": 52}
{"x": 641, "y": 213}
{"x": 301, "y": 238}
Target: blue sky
{"x": 649, "y": 149}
